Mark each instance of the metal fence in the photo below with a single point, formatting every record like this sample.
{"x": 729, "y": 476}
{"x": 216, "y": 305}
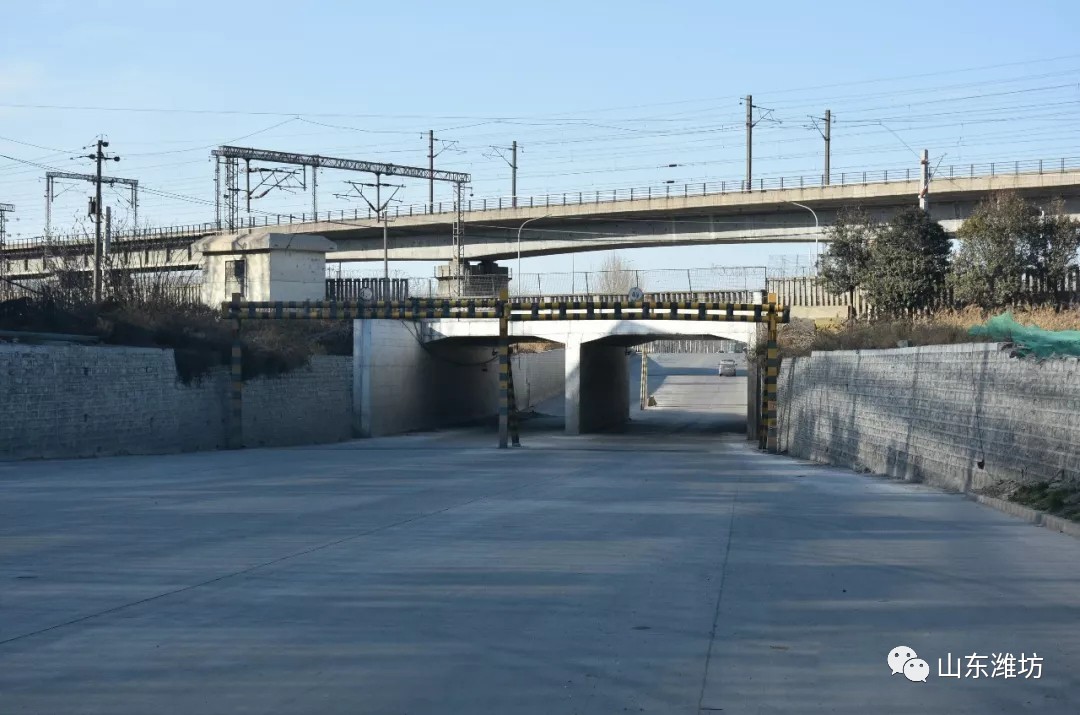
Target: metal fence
{"x": 792, "y": 265}
{"x": 349, "y": 289}
{"x": 619, "y": 282}
{"x": 694, "y": 345}
{"x": 597, "y": 196}
{"x": 809, "y": 292}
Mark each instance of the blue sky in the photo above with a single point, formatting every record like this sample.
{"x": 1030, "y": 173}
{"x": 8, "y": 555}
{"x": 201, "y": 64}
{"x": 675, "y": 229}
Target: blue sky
{"x": 599, "y": 94}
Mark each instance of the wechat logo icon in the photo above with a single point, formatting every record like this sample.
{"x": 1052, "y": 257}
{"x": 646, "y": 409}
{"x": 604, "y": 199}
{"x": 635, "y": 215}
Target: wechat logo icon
{"x": 906, "y": 661}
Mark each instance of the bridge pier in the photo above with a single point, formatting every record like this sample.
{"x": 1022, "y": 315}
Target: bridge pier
{"x": 595, "y": 394}
{"x": 485, "y": 279}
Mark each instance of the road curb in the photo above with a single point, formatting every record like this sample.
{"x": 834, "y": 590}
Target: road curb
{"x": 1032, "y": 516}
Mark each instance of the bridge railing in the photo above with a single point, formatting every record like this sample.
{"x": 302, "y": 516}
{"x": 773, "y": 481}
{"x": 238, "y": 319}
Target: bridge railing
{"x": 670, "y": 189}
{"x": 656, "y": 280}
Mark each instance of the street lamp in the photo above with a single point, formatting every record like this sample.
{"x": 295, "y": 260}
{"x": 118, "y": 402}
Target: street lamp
{"x": 523, "y": 224}
{"x": 817, "y": 231}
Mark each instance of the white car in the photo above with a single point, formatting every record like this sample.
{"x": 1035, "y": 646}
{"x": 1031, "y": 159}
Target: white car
{"x": 727, "y": 368}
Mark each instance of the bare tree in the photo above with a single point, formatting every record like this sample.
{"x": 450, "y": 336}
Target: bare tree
{"x": 617, "y": 276}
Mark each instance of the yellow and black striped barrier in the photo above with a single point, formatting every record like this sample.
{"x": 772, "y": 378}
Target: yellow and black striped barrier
{"x": 432, "y": 308}
{"x": 414, "y": 309}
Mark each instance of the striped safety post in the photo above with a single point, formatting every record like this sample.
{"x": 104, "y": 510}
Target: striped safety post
{"x": 772, "y": 373}
{"x": 236, "y": 391}
{"x": 512, "y": 411}
{"x": 644, "y": 376}
{"x": 504, "y": 376}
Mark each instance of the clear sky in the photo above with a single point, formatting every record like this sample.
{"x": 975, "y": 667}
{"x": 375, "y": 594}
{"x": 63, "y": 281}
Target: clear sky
{"x": 599, "y": 94}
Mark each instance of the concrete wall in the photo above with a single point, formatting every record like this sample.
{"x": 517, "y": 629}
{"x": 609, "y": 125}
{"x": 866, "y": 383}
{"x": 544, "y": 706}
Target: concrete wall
{"x": 310, "y": 405}
{"x": 84, "y": 401}
{"x": 537, "y": 377}
{"x": 957, "y": 416}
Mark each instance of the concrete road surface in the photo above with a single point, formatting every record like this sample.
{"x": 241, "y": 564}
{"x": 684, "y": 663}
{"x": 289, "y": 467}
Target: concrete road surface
{"x": 668, "y": 569}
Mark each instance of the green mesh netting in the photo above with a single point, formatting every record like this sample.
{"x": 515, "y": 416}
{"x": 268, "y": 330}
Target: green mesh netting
{"x": 1028, "y": 339}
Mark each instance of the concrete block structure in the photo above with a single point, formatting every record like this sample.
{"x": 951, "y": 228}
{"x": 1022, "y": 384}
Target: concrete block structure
{"x": 963, "y": 417}
{"x": 264, "y": 266}
{"x": 90, "y": 401}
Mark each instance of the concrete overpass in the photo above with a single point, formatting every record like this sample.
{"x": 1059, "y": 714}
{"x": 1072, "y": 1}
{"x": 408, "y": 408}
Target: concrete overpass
{"x": 673, "y": 216}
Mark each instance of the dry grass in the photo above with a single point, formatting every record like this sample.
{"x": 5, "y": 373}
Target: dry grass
{"x": 199, "y": 337}
{"x": 1056, "y": 497}
{"x": 539, "y": 346}
{"x": 801, "y": 337}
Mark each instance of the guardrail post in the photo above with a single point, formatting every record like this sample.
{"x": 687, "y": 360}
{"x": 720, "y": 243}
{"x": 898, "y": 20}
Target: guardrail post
{"x": 685, "y": 191}
{"x": 842, "y": 178}
{"x": 1040, "y": 166}
{"x": 723, "y": 187}
{"x": 886, "y": 176}
{"x": 631, "y": 193}
{"x": 864, "y": 177}
{"x": 992, "y": 169}
{"x": 781, "y": 182}
{"x": 1063, "y": 165}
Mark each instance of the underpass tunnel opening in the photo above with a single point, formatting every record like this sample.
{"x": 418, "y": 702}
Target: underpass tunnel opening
{"x": 656, "y": 384}
{"x": 408, "y": 379}
{"x": 694, "y": 383}
{"x": 567, "y": 377}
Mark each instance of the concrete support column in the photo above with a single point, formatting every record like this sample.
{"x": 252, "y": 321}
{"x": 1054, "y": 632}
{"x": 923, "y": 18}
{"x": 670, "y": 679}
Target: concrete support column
{"x": 597, "y": 394}
{"x": 363, "y": 351}
{"x": 572, "y": 390}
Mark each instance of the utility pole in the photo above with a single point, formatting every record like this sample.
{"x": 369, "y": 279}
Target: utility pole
{"x": 828, "y": 138}
{"x": 379, "y": 216}
{"x": 749, "y": 140}
{"x": 431, "y": 168}
{"x": 97, "y": 222}
{"x": 924, "y": 190}
{"x": 98, "y": 156}
{"x": 108, "y": 232}
{"x": 513, "y": 174}
{"x": 512, "y": 162}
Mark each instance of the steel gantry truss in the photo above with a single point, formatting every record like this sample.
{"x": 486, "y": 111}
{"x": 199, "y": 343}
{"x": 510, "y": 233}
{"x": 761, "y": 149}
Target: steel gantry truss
{"x": 52, "y": 176}
{"x": 771, "y": 313}
{"x": 5, "y": 209}
{"x": 233, "y": 154}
